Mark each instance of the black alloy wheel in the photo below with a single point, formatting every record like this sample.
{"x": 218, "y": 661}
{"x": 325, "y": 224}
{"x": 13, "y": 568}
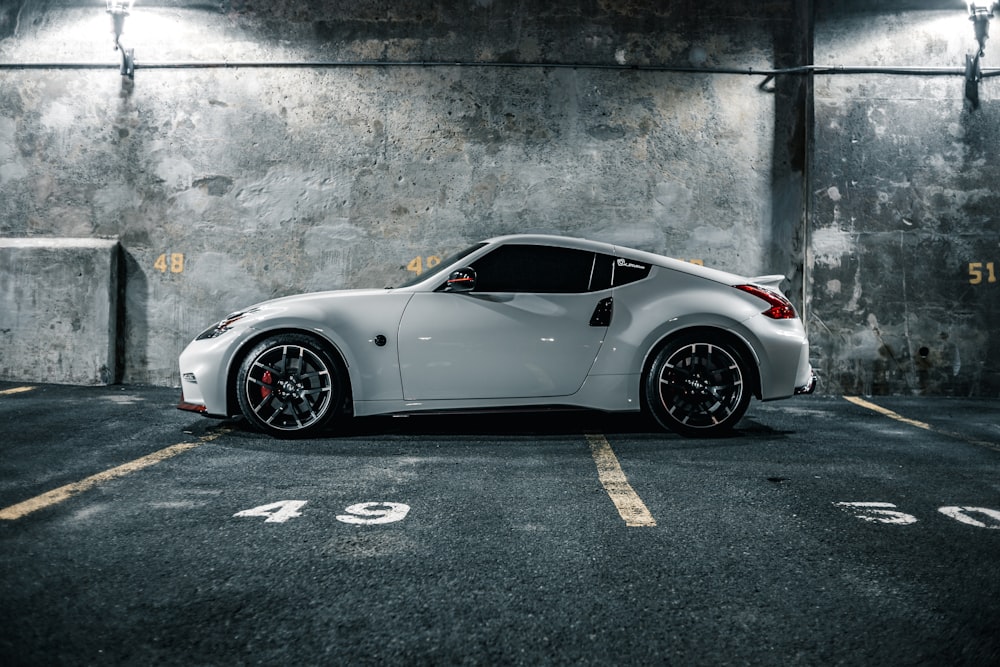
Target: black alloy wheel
{"x": 698, "y": 386}
{"x": 289, "y": 386}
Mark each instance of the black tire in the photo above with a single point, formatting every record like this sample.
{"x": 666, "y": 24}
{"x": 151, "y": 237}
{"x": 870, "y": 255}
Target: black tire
{"x": 290, "y": 386}
{"x": 698, "y": 386}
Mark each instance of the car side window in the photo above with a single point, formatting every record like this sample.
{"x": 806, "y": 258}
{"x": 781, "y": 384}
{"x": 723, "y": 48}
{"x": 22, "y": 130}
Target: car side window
{"x": 600, "y": 277}
{"x": 532, "y": 268}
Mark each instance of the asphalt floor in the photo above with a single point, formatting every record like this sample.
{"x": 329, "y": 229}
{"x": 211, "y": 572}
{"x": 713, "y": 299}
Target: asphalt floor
{"x": 825, "y": 530}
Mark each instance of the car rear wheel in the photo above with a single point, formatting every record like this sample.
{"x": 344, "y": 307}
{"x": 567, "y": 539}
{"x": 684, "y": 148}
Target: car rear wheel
{"x": 698, "y": 386}
{"x": 289, "y": 386}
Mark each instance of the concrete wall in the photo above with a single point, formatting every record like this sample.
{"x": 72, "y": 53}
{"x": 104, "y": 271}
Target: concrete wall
{"x": 905, "y": 206}
{"x": 59, "y": 310}
{"x": 230, "y": 185}
{"x": 226, "y": 186}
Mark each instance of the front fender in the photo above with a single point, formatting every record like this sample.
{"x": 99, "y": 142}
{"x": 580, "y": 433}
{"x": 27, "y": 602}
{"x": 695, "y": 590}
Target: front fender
{"x": 361, "y": 328}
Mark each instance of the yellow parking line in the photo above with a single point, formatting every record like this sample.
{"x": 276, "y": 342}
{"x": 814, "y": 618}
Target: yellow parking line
{"x": 56, "y": 496}
{"x": 609, "y": 471}
{"x": 919, "y": 424}
{"x": 15, "y": 390}
{"x": 888, "y": 413}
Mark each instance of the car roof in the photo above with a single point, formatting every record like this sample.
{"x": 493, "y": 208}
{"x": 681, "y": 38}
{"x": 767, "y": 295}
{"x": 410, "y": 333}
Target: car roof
{"x": 708, "y": 273}
{"x": 553, "y": 240}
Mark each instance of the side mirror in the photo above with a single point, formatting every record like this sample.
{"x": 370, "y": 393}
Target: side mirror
{"x": 461, "y": 280}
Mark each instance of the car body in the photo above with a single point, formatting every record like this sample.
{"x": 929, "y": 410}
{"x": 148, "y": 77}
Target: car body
{"x": 520, "y": 321}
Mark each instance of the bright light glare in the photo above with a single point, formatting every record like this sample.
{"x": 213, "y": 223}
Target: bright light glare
{"x": 120, "y": 6}
{"x": 932, "y": 39}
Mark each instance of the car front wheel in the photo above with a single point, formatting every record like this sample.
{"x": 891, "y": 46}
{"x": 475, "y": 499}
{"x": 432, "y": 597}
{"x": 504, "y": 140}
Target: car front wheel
{"x": 289, "y": 386}
{"x": 698, "y": 386}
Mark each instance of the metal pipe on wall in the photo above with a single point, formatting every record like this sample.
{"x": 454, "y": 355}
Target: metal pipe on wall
{"x": 745, "y": 71}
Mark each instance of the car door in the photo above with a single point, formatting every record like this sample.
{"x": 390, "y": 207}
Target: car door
{"x": 531, "y": 327}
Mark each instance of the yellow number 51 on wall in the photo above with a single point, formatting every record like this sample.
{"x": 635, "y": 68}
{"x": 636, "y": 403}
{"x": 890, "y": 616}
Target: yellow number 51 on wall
{"x": 976, "y": 275}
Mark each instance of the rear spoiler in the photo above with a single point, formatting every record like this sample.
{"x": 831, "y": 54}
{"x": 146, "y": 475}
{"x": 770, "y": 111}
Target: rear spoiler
{"x": 770, "y": 282}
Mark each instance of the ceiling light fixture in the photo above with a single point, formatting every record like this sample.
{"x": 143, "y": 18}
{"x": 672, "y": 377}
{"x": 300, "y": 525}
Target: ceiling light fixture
{"x": 980, "y": 14}
{"x": 119, "y": 9}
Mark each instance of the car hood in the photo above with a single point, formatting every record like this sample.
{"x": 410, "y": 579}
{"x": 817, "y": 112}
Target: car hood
{"x": 311, "y": 298}
{"x": 311, "y": 306}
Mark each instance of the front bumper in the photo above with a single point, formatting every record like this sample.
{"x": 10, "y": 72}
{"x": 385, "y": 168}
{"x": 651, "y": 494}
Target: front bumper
{"x": 202, "y": 366}
{"x": 190, "y": 407}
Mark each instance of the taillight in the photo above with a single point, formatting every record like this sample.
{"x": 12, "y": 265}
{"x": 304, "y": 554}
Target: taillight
{"x": 781, "y": 308}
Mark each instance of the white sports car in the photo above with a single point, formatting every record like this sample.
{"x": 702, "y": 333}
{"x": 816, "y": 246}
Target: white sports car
{"x": 525, "y": 321}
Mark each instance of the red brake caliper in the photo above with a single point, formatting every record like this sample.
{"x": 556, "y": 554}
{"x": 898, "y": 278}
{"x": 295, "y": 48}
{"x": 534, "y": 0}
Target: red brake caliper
{"x": 266, "y": 379}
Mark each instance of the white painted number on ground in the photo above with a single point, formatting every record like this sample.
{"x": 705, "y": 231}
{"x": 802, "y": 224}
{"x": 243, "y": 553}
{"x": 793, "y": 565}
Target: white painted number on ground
{"x": 278, "y": 512}
{"x": 370, "y": 514}
{"x": 361, "y": 514}
{"x": 873, "y": 512}
{"x": 879, "y": 513}
{"x": 963, "y": 514}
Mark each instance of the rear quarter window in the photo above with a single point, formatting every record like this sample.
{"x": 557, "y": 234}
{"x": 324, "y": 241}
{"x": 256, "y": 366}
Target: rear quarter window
{"x": 629, "y": 271}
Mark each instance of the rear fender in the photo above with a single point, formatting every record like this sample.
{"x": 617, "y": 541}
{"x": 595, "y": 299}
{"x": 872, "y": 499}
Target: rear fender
{"x": 729, "y": 332}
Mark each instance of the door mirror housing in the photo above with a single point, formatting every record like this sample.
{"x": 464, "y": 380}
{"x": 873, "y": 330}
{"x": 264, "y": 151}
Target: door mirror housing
{"x": 461, "y": 280}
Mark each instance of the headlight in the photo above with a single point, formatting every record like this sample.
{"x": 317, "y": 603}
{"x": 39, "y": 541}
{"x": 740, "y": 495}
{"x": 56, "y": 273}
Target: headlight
{"x": 225, "y": 325}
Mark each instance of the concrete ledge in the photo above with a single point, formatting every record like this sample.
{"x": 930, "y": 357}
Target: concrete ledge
{"x": 59, "y": 310}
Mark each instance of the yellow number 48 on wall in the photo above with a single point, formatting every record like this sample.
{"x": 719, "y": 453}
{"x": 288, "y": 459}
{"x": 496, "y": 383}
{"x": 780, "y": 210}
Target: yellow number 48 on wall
{"x": 174, "y": 262}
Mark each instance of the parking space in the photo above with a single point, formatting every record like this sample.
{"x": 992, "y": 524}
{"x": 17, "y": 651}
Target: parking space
{"x": 824, "y": 531}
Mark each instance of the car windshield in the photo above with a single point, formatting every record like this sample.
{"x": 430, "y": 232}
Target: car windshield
{"x": 441, "y": 266}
